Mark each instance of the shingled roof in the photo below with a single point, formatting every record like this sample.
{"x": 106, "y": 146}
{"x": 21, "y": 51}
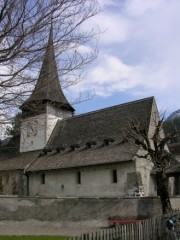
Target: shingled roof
{"x": 82, "y": 157}
{"x": 98, "y": 126}
{"x": 48, "y": 87}
{"x": 19, "y": 162}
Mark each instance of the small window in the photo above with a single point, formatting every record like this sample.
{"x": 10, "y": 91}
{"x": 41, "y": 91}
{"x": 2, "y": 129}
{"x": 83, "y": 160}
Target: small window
{"x": 43, "y": 178}
{"x": 78, "y": 177}
{"x": 114, "y": 176}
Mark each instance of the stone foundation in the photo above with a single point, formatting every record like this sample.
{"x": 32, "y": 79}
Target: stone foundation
{"x": 79, "y": 212}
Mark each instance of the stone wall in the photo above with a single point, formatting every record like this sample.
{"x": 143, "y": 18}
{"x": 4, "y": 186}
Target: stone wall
{"x": 82, "y": 212}
{"x": 74, "y": 212}
{"x": 10, "y": 182}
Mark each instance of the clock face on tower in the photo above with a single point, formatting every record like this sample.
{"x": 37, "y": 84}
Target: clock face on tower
{"x": 31, "y": 128}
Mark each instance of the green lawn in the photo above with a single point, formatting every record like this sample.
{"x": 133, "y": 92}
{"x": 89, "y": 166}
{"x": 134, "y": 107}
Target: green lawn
{"x": 33, "y": 238}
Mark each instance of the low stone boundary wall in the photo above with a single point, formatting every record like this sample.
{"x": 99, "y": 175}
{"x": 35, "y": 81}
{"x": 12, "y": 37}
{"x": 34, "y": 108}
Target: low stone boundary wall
{"x": 72, "y": 212}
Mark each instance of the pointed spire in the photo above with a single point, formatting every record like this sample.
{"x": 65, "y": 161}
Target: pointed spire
{"x": 48, "y": 87}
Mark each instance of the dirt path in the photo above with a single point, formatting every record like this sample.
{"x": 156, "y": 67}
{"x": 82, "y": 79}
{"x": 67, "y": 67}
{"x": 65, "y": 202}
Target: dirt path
{"x": 40, "y": 228}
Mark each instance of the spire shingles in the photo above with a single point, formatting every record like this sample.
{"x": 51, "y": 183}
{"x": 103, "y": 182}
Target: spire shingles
{"x": 48, "y": 87}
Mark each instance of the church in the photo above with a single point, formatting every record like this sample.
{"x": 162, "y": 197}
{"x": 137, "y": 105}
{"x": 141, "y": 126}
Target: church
{"x": 66, "y": 155}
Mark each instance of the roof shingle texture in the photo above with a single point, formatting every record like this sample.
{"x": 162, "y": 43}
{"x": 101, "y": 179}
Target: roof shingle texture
{"x": 98, "y": 125}
{"x": 19, "y": 162}
{"x": 48, "y": 86}
{"x": 94, "y": 126}
{"x": 85, "y": 157}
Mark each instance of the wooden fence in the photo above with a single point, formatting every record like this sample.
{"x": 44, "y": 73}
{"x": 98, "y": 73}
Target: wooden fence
{"x": 149, "y": 229}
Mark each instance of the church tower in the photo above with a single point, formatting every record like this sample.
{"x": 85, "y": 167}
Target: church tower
{"x": 45, "y": 106}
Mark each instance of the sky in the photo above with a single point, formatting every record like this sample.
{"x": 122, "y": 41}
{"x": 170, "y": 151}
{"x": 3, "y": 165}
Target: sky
{"x": 139, "y": 55}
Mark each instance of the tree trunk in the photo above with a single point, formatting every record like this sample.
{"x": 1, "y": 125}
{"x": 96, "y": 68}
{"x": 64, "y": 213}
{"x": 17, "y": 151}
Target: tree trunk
{"x": 162, "y": 189}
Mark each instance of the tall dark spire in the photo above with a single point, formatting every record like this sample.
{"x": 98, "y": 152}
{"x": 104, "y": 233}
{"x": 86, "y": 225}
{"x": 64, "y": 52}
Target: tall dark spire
{"x": 48, "y": 87}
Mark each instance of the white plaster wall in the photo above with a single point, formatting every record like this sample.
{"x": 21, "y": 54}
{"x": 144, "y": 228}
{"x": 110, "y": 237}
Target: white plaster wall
{"x": 95, "y": 182}
{"x": 37, "y": 141}
{"x": 152, "y": 186}
{"x": 155, "y": 117}
{"x": 171, "y": 184}
{"x": 58, "y": 112}
{"x": 52, "y": 117}
{"x": 50, "y": 124}
{"x": 45, "y": 124}
{"x": 153, "y": 120}
{"x": 144, "y": 167}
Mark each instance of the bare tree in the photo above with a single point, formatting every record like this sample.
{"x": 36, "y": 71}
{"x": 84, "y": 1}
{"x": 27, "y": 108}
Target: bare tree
{"x": 24, "y": 30}
{"x": 154, "y": 148}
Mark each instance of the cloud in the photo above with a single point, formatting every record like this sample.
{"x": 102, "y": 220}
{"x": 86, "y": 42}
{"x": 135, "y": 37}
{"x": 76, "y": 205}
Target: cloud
{"x": 82, "y": 49}
{"x": 111, "y": 75}
{"x": 116, "y": 28}
{"x": 105, "y": 3}
{"x": 113, "y": 26}
{"x": 141, "y": 7}
{"x": 139, "y": 51}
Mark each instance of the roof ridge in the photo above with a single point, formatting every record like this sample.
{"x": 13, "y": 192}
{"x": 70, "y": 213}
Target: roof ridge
{"x": 108, "y": 108}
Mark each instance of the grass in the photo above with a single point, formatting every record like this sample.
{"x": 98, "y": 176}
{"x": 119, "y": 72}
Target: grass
{"x": 33, "y": 238}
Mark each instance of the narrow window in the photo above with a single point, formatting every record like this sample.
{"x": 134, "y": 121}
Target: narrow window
{"x": 27, "y": 185}
{"x": 78, "y": 177}
{"x": 43, "y": 178}
{"x": 114, "y": 176}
